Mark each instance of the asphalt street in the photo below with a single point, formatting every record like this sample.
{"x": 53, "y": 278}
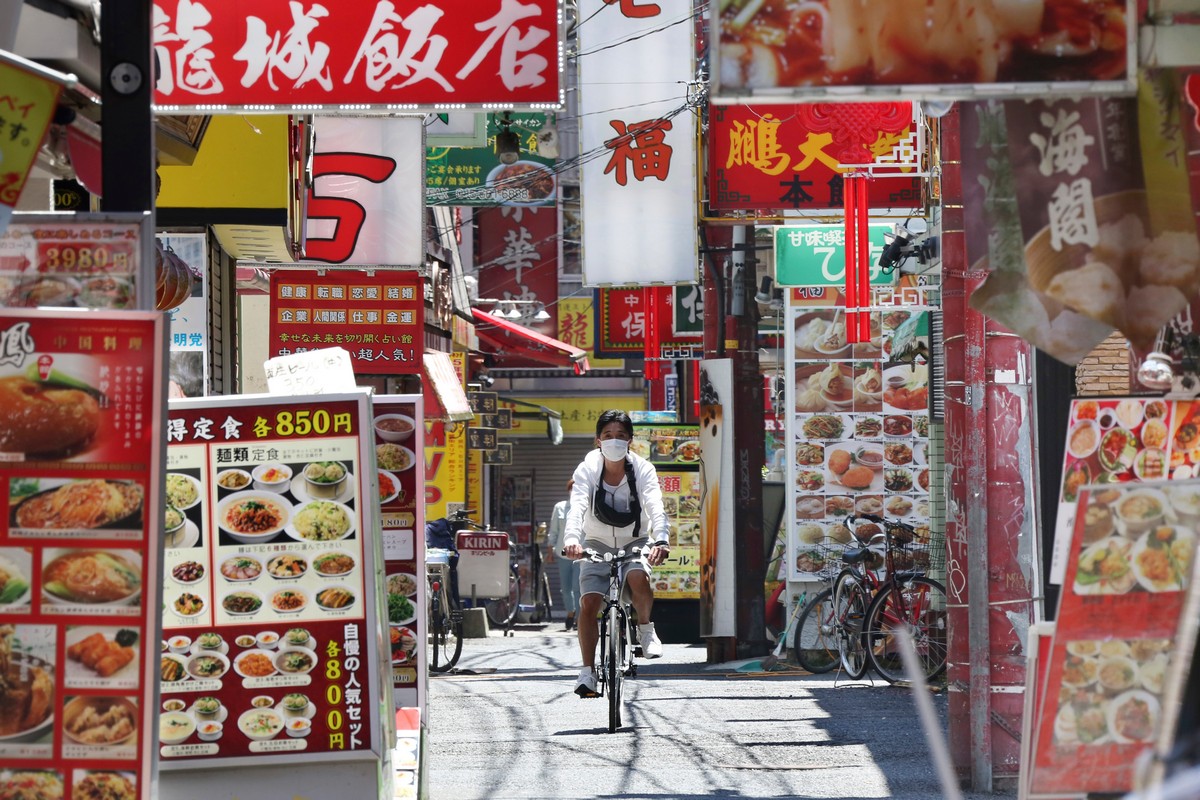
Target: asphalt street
{"x": 507, "y": 725}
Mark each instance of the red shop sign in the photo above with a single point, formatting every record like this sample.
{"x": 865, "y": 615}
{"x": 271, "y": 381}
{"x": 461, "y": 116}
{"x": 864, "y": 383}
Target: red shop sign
{"x": 622, "y": 324}
{"x": 222, "y": 54}
{"x": 772, "y": 157}
{"x": 379, "y": 320}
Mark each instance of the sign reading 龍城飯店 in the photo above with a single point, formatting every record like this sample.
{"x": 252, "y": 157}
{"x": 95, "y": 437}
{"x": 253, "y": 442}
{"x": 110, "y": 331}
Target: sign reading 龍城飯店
{"x": 280, "y": 55}
{"x": 379, "y": 320}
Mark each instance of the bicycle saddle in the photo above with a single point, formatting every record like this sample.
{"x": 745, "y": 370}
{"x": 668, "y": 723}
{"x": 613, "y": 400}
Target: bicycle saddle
{"x": 856, "y": 555}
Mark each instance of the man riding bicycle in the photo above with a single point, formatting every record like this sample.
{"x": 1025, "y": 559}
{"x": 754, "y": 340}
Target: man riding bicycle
{"x": 616, "y": 503}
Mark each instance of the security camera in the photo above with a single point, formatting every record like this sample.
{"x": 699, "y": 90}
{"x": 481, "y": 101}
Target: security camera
{"x": 903, "y": 244}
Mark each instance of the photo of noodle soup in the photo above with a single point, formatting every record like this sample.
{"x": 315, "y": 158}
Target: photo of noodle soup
{"x": 253, "y": 516}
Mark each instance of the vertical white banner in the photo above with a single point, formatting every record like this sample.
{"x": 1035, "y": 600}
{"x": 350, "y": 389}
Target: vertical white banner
{"x": 368, "y": 199}
{"x": 717, "y": 561}
{"x": 638, "y": 140}
{"x": 189, "y": 319}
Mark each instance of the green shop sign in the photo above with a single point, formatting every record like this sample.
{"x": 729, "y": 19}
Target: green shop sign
{"x": 474, "y": 176}
{"x": 815, "y": 255}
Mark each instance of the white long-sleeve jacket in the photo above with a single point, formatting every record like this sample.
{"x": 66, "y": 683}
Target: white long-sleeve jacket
{"x": 582, "y": 524}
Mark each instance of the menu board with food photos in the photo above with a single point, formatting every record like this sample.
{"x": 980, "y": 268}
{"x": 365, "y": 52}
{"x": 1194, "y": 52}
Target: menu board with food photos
{"x": 1123, "y": 440}
{"x": 859, "y": 434}
{"x": 398, "y": 423}
{"x": 675, "y": 452}
{"x": 269, "y": 618}
{"x": 1129, "y": 566}
{"x": 79, "y": 456}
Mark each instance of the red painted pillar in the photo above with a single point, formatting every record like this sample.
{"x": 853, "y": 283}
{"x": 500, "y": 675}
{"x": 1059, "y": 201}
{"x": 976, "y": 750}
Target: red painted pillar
{"x": 990, "y": 515}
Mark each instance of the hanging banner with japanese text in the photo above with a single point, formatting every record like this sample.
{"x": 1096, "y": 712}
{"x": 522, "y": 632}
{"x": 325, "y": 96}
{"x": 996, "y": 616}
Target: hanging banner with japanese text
{"x": 379, "y": 319}
{"x": 378, "y": 54}
{"x": 29, "y": 103}
{"x": 637, "y": 127}
{"x": 936, "y": 49}
{"x": 366, "y": 203}
{"x": 518, "y": 248}
{"x": 793, "y": 157}
{"x": 189, "y": 320}
{"x": 475, "y": 176}
{"x": 621, "y": 326}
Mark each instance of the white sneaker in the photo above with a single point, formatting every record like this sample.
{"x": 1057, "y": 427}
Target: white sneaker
{"x": 651, "y": 646}
{"x": 585, "y": 685}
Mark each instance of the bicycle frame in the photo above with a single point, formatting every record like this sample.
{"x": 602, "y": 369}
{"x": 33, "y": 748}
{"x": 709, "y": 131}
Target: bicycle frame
{"x": 615, "y": 661}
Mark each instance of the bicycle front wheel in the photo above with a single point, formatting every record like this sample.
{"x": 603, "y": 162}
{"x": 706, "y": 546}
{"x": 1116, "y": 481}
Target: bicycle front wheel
{"x": 445, "y": 637}
{"x": 918, "y": 606}
{"x": 613, "y": 667}
{"x": 815, "y": 640}
{"x": 503, "y": 611}
{"x": 850, "y": 601}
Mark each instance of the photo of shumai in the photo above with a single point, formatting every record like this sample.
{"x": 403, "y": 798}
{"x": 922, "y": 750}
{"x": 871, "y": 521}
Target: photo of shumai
{"x": 42, "y": 419}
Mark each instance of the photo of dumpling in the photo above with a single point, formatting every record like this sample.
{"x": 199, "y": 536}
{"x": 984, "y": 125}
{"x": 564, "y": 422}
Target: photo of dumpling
{"x": 1093, "y": 289}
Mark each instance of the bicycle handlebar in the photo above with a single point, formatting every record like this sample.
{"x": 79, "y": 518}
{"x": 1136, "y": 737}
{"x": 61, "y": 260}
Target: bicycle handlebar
{"x": 596, "y": 557}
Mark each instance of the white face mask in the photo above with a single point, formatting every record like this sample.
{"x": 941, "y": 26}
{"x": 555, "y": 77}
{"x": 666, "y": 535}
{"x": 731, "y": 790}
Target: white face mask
{"x": 614, "y": 449}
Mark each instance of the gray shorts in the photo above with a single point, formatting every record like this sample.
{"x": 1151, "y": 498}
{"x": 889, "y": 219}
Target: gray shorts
{"x": 593, "y": 577}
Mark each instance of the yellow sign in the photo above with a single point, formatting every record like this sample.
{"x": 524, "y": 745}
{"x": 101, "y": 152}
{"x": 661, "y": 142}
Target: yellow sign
{"x": 577, "y": 327}
{"x": 579, "y": 414}
{"x": 27, "y": 103}
{"x": 239, "y": 166}
{"x": 446, "y": 460}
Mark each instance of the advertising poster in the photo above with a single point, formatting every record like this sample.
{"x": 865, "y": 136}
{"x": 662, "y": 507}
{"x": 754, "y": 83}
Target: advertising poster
{"x": 928, "y": 47}
{"x": 716, "y": 565}
{"x": 398, "y": 437}
{"x": 79, "y": 462}
{"x": 791, "y": 156}
{"x": 475, "y": 176}
{"x": 30, "y": 101}
{"x": 71, "y": 260}
{"x": 269, "y": 630}
{"x": 379, "y": 319}
{"x": 1129, "y": 566}
{"x": 859, "y": 436}
{"x": 675, "y": 452}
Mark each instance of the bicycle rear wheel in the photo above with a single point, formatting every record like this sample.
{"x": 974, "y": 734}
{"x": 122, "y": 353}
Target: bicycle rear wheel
{"x": 503, "y": 611}
{"x": 850, "y": 601}
{"x": 815, "y": 640}
{"x": 917, "y": 605}
{"x": 613, "y": 666}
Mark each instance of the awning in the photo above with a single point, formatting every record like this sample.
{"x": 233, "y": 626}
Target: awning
{"x": 443, "y": 390}
{"x": 509, "y": 337}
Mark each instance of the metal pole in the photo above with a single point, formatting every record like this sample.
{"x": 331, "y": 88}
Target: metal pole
{"x": 127, "y": 83}
{"x": 749, "y": 560}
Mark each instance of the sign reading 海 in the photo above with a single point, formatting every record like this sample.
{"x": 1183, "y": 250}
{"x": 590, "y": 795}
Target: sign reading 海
{"x": 815, "y": 255}
{"x": 383, "y": 54}
{"x": 379, "y": 320}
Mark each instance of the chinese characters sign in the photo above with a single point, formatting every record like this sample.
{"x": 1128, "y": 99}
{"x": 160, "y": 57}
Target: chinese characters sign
{"x": 379, "y": 53}
{"x": 365, "y": 205}
{"x": 792, "y": 157}
{"x": 639, "y": 216}
{"x": 519, "y": 248}
{"x": 815, "y": 255}
{"x": 621, "y": 317}
{"x": 81, "y": 457}
{"x": 267, "y": 612}
{"x": 931, "y": 48}
{"x": 26, "y": 107}
{"x": 379, "y": 320}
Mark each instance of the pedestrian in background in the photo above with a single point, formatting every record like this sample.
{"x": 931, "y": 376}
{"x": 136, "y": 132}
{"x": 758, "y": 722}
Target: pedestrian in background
{"x": 568, "y": 569}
